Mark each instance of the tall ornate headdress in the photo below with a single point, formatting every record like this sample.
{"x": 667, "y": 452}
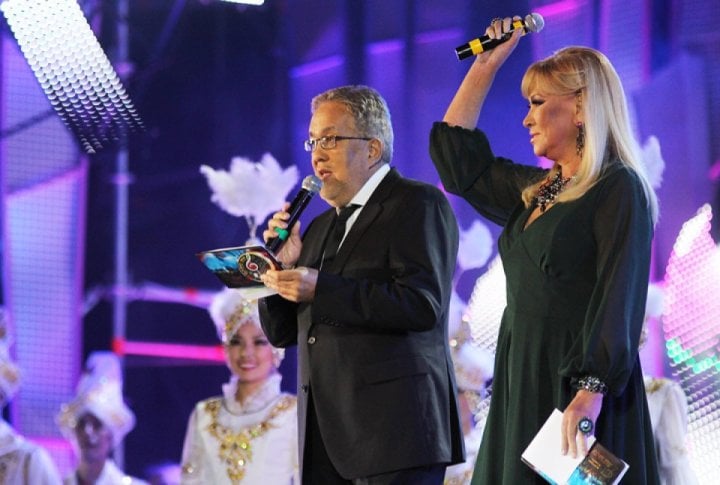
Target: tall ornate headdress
{"x": 9, "y": 372}
{"x": 230, "y": 309}
{"x": 99, "y": 392}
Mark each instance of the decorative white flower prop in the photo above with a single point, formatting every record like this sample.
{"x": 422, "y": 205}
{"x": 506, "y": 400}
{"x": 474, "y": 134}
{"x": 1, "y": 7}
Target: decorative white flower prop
{"x": 475, "y": 246}
{"x": 250, "y": 189}
{"x": 653, "y": 160}
{"x": 655, "y": 304}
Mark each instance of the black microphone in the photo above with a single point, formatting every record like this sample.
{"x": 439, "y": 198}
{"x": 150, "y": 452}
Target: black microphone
{"x": 533, "y": 23}
{"x": 311, "y": 185}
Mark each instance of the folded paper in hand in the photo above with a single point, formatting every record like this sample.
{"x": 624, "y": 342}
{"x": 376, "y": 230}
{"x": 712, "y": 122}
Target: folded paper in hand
{"x": 241, "y": 267}
{"x": 598, "y": 467}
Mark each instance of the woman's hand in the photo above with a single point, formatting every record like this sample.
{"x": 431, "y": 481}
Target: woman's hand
{"x": 290, "y": 251}
{"x": 499, "y": 27}
{"x": 584, "y": 404}
{"x": 465, "y": 107}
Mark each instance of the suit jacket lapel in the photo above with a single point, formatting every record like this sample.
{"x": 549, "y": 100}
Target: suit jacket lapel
{"x": 313, "y": 245}
{"x": 372, "y": 209}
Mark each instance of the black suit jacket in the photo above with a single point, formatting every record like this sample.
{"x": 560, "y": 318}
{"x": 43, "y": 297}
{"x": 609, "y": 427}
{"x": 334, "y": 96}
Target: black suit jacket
{"x": 373, "y": 345}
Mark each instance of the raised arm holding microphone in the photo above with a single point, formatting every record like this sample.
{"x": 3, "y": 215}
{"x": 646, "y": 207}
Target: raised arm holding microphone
{"x": 575, "y": 248}
{"x": 366, "y": 301}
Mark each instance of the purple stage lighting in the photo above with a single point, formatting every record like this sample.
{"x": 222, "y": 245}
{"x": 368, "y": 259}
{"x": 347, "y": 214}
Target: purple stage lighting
{"x": 74, "y": 72}
{"x": 692, "y": 330}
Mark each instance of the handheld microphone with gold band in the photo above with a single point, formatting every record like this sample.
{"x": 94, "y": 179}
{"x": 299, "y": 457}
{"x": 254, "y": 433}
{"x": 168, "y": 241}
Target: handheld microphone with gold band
{"x": 531, "y": 23}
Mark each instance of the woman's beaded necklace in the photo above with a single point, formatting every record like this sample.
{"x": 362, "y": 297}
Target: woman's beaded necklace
{"x": 236, "y": 446}
{"x": 549, "y": 190}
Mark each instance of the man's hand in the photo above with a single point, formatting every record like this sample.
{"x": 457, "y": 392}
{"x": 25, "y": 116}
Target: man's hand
{"x": 290, "y": 251}
{"x": 296, "y": 285}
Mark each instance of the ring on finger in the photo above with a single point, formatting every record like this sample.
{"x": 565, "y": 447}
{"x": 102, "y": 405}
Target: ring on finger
{"x": 585, "y": 425}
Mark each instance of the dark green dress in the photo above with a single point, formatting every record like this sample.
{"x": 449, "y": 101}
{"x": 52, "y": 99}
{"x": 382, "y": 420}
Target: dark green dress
{"x": 577, "y": 281}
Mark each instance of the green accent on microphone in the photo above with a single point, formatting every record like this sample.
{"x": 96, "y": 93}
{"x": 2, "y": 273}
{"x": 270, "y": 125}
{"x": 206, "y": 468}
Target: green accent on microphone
{"x": 282, "y": 233}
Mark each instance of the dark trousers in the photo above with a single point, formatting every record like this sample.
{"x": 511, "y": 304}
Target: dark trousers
{"x": 319, "y": 470}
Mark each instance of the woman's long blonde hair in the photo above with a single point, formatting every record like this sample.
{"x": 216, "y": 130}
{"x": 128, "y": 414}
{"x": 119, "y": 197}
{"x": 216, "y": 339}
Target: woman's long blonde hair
{"x": 589, "y": 75}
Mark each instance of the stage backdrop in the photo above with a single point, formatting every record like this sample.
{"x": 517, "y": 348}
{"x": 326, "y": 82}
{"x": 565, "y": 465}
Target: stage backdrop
{"x": 213, "y": 80}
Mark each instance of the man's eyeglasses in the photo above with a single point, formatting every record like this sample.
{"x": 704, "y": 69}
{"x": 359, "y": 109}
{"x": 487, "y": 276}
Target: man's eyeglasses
{"x": 328, "y": 142}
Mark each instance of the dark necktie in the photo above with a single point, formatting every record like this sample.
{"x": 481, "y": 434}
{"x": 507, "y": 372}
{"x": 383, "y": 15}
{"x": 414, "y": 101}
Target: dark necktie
{"x": 337, "y": 232}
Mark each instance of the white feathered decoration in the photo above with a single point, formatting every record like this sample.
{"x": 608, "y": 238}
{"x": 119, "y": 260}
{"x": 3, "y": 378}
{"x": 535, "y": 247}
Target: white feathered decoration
{"x": 653, "y": 161}
{"x": 475, "y": 246}
{"x": 252, "y": 190}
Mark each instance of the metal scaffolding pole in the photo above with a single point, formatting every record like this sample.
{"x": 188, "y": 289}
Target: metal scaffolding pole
{"x": 121, "y": 180}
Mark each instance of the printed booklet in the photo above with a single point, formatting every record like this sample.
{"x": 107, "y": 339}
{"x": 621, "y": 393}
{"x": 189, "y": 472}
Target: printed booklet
{"x": 241, "y": 267}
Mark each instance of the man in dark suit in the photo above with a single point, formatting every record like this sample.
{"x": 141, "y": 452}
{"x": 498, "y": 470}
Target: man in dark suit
{"x": 376, "y": 401}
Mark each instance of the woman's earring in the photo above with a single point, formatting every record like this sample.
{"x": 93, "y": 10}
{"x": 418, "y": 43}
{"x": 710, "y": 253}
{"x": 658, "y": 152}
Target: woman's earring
{"x": 580, "y": 140}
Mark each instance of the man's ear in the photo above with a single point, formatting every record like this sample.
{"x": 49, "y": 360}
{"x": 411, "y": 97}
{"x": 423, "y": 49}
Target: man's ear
{"x": 375, "y": 150}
